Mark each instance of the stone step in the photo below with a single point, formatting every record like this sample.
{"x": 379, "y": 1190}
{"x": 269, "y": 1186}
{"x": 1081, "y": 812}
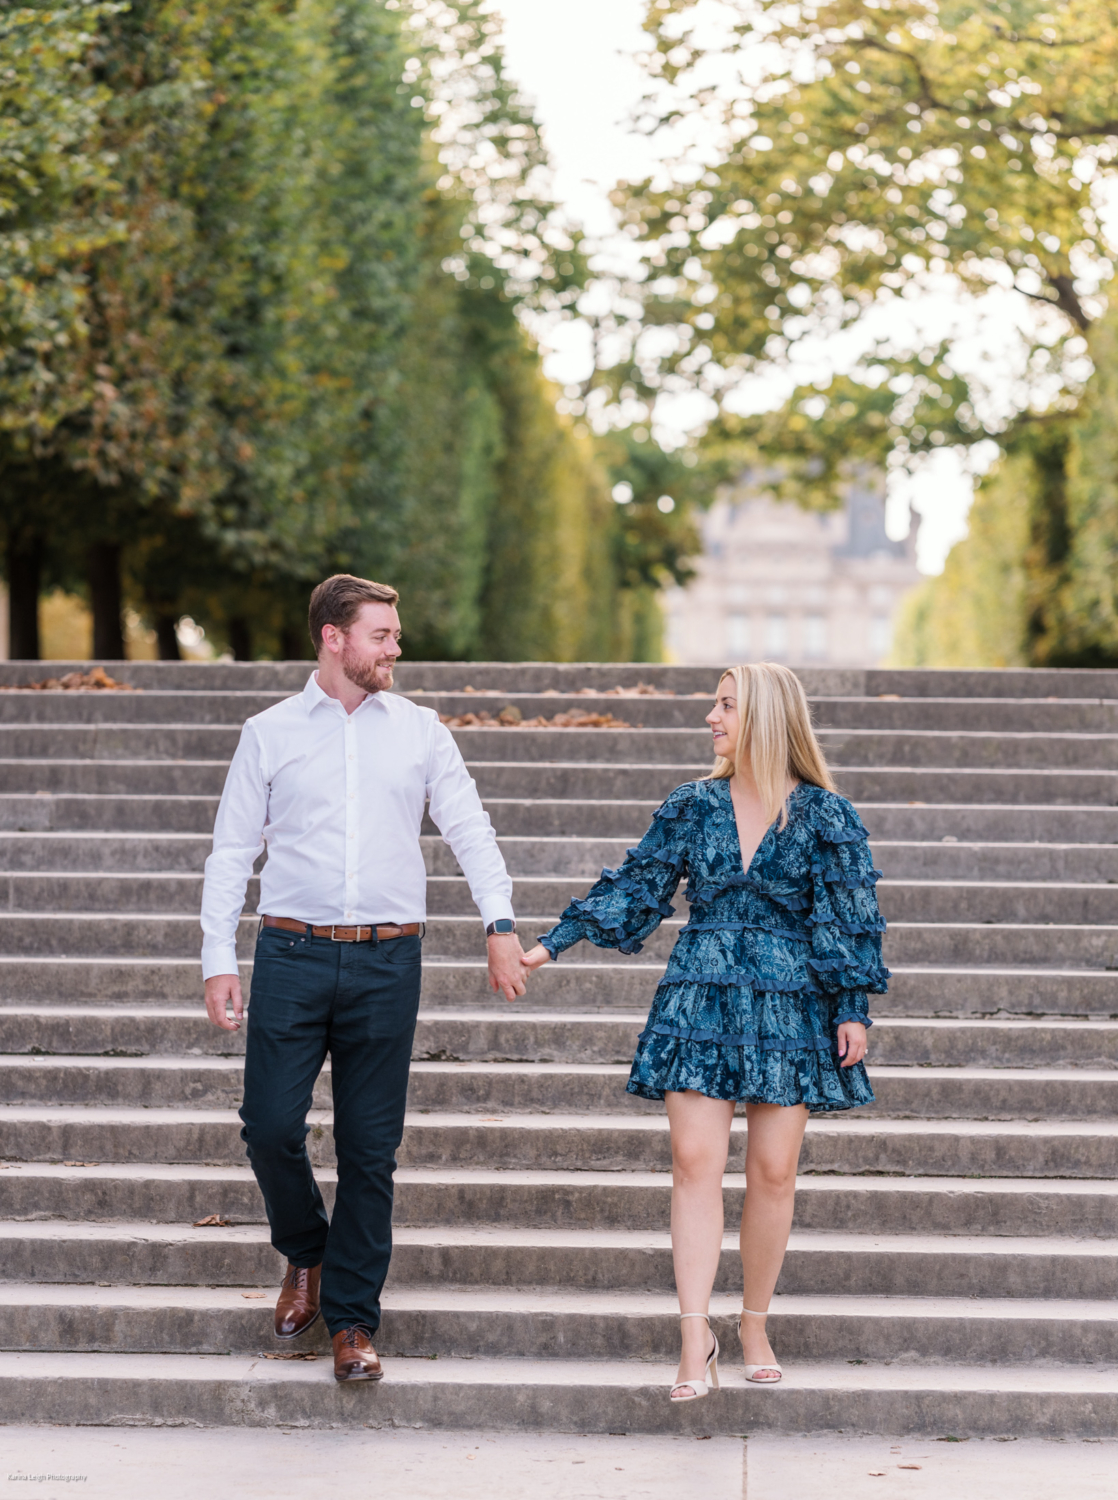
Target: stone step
{"x": 153, "y": 706}
{"x": 585, "y": 780}
{"x": 230, "y": 707}
{"x": 950, "y": 715}
{"x": 42, "y": 812}
{"x": 103, "y": 853}
{"x": 568, "y": 1395}
{"x": 552, "y": 1323}
{"x": 821, "y": 1263}
{"x": 544, "y": 817}
{"x": 534, "y": 817}
{"x": 945, "y": 859}
{"x": 603, "y": 1142}
{"x": 605, "y": 984}
{"x": 411, "y": 676}
{"x": 896, "y": 748}
{"x": 581, "y": 857}
{"x": 572, "y": 1037}
{"x": 1036, "y": 902}
{"x": 430, "y": 1197}
{"x": 175, "y": 935}
{"x": 952, "y": 1093}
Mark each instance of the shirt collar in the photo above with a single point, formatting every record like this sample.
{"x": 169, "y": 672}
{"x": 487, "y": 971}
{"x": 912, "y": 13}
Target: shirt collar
{"x": 313, "y": 696}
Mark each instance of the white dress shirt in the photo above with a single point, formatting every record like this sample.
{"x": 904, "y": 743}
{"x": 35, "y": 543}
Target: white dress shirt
{"x": 337, "y": 801}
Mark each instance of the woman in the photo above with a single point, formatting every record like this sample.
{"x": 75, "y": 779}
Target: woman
{"x": 764, "y": 998}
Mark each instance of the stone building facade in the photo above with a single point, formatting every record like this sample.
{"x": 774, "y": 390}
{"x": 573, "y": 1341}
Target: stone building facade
{"x": 776, "y": 582}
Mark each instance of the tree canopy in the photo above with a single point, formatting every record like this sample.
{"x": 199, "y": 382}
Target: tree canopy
{"x": 262, "y": 322}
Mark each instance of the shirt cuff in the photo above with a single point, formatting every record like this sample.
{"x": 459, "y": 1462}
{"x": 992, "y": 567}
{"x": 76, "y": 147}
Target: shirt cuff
{"x": 219, "y": 957}
{"x": 495, "y": 909}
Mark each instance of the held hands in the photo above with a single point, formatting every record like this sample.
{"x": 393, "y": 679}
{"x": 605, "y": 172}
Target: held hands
{"x": 506, "y": 972}
{"x": 535, "y": 958}
{"x": 851, "y": 1043}
{"x": 222, "y": 992}
{"x": 509, "y": 965}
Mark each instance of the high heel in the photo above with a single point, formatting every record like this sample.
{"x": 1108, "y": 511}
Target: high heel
{"x": 751, "y": 1371}
{"x": 698, "y": 1387}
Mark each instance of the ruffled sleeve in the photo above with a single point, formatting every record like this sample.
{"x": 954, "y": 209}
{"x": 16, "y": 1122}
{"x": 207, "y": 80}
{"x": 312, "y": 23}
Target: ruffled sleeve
{"x": 626, "y": 904}
{"x": 845, "y": 922}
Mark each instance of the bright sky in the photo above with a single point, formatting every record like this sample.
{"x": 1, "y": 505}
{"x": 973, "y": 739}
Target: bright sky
{"x": 580, "y": 72}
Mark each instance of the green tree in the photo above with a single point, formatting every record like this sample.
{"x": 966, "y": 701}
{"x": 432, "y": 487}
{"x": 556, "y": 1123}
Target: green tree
{"x": 298, "y": 244}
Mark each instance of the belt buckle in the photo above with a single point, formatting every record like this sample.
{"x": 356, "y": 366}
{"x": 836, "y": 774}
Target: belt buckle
{"x": 333, "y": 930}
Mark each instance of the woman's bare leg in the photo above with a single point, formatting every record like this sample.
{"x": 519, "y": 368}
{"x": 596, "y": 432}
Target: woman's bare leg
{"x": 700, "y": 1131}
{"x": 776, "y": 1132}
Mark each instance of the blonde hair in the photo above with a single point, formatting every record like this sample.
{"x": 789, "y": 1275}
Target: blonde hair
{"x": 774, "y": 733}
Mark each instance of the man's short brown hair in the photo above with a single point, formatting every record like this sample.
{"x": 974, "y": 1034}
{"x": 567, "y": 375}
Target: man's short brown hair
{"x": 338, "y": 600}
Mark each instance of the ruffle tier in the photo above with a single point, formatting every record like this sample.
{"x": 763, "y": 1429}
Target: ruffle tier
{"x": 720, "y": 1036}
{"x": 747, "y": 1074}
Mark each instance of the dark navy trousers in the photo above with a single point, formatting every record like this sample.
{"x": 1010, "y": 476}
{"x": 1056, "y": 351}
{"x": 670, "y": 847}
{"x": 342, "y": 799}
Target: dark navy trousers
{"x": 356, "y": 1002}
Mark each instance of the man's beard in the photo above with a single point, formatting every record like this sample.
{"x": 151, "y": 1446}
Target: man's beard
{"x": 362, "y": 673}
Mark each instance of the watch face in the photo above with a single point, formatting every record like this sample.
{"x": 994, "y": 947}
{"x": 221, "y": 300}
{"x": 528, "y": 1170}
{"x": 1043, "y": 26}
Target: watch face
{"x": 504, "y": 924}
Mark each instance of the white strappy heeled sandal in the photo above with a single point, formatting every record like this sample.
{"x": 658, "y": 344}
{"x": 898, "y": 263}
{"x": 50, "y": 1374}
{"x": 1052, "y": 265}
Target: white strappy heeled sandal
{"x": 698, "y": 1388}
{"x": 751, "y": 1371}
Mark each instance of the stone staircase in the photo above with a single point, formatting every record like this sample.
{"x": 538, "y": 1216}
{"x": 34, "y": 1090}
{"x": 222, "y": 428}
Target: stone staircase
{"x": 954, "y": 1262}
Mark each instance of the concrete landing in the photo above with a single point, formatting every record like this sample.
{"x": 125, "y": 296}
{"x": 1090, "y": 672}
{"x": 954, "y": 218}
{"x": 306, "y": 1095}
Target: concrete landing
{"x": 106, "y": 1463}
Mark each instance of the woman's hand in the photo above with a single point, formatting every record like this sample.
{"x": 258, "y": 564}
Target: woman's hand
{"x": 851, "y": 1042}
{"x": 535, "y": 958}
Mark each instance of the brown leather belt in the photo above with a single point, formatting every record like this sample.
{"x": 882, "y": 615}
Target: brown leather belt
{"x": 346, "y": 934}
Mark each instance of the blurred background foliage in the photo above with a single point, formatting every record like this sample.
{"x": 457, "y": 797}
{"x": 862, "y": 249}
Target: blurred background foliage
{"x": 262, "y": 271}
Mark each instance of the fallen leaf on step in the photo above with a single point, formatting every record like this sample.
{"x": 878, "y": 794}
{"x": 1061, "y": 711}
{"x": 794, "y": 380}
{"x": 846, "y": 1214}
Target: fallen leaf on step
{"x": 910, "y": 1466}
{"x": 289, "y": 1356}
{"x": 211, "y": 1221}
{"x": 877, "y": 1473}
{"x": 254, "y": 1296}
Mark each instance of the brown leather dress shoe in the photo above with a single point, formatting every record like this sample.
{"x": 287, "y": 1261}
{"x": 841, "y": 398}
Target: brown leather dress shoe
{"x": 354, "y": 1355}
{"x": 297, "y": 1307}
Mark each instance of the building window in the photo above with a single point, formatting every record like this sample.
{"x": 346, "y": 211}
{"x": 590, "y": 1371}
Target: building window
{"x": 776, "y": 636}
{"x": 881, "y": 635}
{"x": 739, "y": 636}
{"x": 815, "y": 637}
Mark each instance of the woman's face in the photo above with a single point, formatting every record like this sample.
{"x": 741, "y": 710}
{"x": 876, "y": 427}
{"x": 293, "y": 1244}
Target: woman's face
{"x": 723, "y": 719}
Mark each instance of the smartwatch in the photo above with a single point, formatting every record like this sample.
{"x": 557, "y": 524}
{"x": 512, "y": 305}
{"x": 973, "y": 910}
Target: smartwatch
{"x": 502, "y": 925}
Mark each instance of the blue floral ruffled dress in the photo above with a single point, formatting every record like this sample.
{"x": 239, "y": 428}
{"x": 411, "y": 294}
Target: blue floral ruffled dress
{"x": 769, "y": 963}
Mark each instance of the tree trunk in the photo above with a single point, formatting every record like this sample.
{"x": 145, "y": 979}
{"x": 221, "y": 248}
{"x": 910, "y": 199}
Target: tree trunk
{"x": 167, "y": 638}
{"x": 240, "y": 638}
{"x": 105, "y": 598}
{"x": 25, "y": 566}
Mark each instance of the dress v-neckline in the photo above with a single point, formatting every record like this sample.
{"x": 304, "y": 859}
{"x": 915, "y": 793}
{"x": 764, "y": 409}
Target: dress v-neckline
{"x": 745, "y": 869}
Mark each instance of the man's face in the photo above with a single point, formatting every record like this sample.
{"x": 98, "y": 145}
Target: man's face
{"x": 370, "y": 646}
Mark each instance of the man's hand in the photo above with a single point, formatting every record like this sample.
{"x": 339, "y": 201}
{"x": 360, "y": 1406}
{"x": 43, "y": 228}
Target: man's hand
{"x": 223, "y": 991}
{"x": 851, "y": 1043}
{"x": 506, "y": 973}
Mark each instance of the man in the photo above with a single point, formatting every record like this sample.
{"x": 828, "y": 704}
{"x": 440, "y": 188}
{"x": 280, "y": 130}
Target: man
{"x": 332, "y": 783}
